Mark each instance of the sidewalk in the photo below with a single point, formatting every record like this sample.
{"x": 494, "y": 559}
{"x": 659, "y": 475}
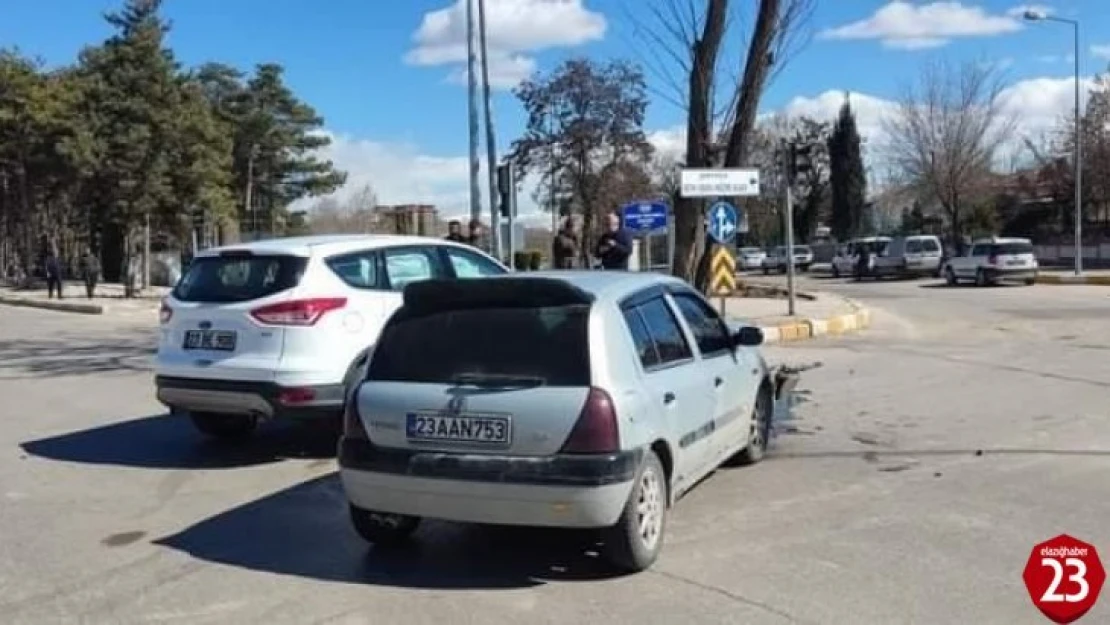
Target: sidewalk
{"x": 816, "y": 314}
{"x": 1060, "y": 275}
{"x": 106, "y": 298}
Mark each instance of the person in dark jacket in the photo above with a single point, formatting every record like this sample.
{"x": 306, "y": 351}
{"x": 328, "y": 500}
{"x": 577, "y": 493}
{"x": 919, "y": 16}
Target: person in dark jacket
{"x": 454, "y": 231}
{"x": 474, "y": 234}
{"x": 564, "y": 247}
{"x": 90, "y": 272}
{"x": 614, "y": 246}
{"x": 52, "y": 267}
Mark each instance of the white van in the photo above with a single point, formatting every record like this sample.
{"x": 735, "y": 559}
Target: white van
{"x": 910, "y": 257}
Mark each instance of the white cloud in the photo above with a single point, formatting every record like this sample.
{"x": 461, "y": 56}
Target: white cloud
{"x": 516, "y": 30}
{"x": 906, "y": 26}
{"x": 1101, "y": 51}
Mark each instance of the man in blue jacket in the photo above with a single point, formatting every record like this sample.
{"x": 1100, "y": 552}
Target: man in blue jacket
{"x": 614, "y": 246}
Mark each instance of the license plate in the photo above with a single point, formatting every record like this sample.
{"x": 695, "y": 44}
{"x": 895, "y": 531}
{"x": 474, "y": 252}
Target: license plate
{"x": 212, "y": 340}
{"x": 1015, "y": 263}
{"x": 444, "y": 428}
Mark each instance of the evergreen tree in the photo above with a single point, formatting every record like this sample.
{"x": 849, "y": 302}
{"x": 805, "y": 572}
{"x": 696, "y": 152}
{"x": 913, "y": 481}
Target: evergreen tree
{"x": 847, "y": 178}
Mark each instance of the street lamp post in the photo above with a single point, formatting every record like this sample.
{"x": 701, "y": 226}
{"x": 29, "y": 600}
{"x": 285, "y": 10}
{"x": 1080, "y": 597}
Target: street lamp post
{"x": 1041, "y": 16}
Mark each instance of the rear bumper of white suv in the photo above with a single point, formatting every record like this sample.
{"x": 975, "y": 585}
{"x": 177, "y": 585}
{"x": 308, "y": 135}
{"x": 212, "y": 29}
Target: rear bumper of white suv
{"x": 263, "y": 399}
{"x": 553, "y": 491}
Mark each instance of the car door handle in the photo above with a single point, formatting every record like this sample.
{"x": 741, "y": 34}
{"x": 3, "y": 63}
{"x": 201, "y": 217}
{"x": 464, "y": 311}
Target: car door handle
{"x": 718, "y": 381}
{"x": 668, "y": 397}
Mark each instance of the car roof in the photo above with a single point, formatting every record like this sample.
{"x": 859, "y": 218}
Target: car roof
{"x": 326, "y": 244}
{"x": 611, "y": 286}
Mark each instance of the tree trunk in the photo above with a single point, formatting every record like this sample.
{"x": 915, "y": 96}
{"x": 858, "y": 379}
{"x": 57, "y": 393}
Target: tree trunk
{"x": 689, "y": 235}
{"x": 751, "y": 89}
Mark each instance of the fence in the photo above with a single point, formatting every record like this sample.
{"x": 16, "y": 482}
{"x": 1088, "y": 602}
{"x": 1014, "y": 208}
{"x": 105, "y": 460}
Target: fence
{"x": 1093, "y": 255}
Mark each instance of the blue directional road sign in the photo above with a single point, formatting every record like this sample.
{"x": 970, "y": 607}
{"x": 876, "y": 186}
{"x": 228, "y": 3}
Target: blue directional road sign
{"x": 723, "y": 220}
{"x": 644, "y": 216}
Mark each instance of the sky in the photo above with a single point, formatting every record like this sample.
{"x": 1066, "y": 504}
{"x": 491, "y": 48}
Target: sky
{"x": 388, "y": 76}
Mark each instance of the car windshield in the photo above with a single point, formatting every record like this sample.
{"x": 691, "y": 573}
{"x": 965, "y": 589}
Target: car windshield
{"x": 238, "y": 277}
{"x": 548, "y": 344}
{"x": 801, "y": 249}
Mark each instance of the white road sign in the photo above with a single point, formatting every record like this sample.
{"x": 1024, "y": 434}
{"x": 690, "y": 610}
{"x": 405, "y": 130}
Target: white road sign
{"x": 720, "y": 182}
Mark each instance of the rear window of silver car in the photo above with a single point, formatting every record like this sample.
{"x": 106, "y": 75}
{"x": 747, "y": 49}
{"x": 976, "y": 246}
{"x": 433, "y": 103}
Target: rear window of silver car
{"x": 1012, "y": 249}
{"x": 548, "y": 345}
{"x": 242, "y": 277}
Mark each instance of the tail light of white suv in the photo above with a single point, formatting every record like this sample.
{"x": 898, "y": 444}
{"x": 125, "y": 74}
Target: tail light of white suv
{"x": 301, "y": 312}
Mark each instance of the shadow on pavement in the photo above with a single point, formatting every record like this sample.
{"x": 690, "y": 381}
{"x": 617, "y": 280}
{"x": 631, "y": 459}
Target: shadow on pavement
{"x": 75, "y": 355}
{"x": 304, "y": 531}
{"x": 869, "y": 454}
{"x": 170, "y": 442}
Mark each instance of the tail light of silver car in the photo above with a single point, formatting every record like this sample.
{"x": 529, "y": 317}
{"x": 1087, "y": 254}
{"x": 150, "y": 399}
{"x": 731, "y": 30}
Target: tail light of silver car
{"x": 596, "y": 431}
{"x": 165, "y": 313}
{"x": 301, "y": 312}
{"x": 353, "y": 430}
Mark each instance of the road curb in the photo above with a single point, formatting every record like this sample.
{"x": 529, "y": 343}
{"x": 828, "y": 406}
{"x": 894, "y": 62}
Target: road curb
{"x": 1058, "y": 279}
{"x": 55, "y": 305}
{"x": 809, "y": 328}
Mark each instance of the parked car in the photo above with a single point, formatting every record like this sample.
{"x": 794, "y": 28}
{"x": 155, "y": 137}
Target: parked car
{"x": 989, "y": 261}
{"x": 559, "y": 399}
{"x": 846, "y": 261}
{"x": 280, "y": 328}
{"x": 910, "y": 257}
{"x": 776, "y": 259}
{"x": 750, "y": 258}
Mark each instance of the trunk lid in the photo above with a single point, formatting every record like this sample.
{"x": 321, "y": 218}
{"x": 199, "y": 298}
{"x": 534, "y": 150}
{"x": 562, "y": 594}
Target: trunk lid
{"x": 491, "y": 371}
{"x": 210, "y": 332}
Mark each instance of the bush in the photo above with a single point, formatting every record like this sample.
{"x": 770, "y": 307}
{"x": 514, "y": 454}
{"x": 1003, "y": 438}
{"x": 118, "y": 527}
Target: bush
{"x": 521, "y": 260}
{"x": 535, "y": 260}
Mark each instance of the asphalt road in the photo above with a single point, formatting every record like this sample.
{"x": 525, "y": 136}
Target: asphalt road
{"x": 925, "y": 460}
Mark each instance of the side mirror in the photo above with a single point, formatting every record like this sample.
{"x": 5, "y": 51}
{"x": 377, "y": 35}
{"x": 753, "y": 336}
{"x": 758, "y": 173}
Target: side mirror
{"x": 749, "y": 336}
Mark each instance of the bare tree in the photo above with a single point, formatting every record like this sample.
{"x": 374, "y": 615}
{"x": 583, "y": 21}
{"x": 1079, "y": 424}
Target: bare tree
{"x": 687, "y": 38}
{"x": 946, "y": 133}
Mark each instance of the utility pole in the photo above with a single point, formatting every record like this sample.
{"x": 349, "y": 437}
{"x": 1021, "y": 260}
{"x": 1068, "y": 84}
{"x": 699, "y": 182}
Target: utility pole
{"x": 491, "y": 143}
{"x": 472, "y": 109}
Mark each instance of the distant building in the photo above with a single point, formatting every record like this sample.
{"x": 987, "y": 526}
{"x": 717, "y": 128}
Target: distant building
{"x": 413, "y": 219}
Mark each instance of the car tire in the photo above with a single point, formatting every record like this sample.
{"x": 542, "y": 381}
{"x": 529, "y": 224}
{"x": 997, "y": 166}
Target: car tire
{"x": 835, "y": 271}
{"x": 760, "y": 434}
{"x": 224, "y": 427}
{"x": 1030, "y": 281}
{"x": 766, "y": 270}
{"x": 950, "y": 277}
{"x": 981, "y": 278}
{"x": 383, "y": 529}
{"x": 633, "y": 544}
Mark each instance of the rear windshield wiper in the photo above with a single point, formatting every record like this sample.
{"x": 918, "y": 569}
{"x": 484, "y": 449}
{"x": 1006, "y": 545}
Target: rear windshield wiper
{"x": 497, "y": 380}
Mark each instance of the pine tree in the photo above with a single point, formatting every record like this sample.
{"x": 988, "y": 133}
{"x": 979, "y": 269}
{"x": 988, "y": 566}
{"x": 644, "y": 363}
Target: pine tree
{"x": 847, "y": 177}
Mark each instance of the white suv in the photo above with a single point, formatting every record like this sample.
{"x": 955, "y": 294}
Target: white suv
{"x": 279, "y": 328}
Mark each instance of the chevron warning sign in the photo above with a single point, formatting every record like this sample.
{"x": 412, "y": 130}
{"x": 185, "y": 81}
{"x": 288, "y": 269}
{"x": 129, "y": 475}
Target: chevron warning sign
{"x": 722, "y": 271}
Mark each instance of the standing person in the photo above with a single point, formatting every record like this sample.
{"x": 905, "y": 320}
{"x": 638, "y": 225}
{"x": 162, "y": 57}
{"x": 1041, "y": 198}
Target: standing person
{"x": 614, "y": 246}
{"x": 564, "y": 247}
{"x": 454, "y": 231}
{"x": 90, "y": 272}
{"x": 53, "y": 271}
{"x": 474, "y": 234}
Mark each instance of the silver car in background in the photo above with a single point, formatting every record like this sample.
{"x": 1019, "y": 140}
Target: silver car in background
{"x": 557, "y": 399}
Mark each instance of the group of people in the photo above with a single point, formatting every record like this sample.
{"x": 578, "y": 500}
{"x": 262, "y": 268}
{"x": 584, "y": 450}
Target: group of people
{"x": 53, "y": 269}
{"x": 612, "y": 250}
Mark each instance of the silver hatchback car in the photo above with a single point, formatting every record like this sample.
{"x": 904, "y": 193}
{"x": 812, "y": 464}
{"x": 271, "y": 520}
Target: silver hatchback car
{"x": 559, "y": 399}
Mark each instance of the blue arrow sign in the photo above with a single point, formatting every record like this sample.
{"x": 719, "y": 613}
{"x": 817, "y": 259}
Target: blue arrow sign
{"x": 644, "y": 216}
{"x": 723, "y": 220}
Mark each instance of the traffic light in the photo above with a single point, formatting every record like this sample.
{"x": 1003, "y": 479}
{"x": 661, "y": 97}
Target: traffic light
{"x": 506, "y": 189}
{"x": 801, "y": 159}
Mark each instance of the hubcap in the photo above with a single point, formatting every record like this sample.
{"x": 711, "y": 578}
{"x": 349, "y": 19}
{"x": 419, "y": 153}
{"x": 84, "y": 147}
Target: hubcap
{"x": 649, "y": 508}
